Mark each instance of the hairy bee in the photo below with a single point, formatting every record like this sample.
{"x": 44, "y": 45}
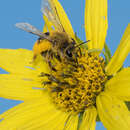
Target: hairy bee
{"x": 52, "y": 45}
{"x": 55, "y": 44}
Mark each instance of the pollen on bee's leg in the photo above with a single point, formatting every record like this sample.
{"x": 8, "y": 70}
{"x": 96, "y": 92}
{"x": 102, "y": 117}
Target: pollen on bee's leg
{"x": 75, "y": 86}
{"x": 47, "y": 83}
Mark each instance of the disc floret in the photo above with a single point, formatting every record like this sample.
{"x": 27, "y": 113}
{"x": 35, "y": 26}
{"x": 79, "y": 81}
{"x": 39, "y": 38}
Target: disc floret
{"x": 74, "y": 86}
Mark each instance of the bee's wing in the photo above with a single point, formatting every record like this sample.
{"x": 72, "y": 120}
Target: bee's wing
{"x": 49, "y": 10}
{"x": 31, "y": 29}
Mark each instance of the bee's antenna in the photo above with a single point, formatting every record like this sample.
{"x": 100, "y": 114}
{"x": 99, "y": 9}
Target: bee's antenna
{"x": 81, "y": 43}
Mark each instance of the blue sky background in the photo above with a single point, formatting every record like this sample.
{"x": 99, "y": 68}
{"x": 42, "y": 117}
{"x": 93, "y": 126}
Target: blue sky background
{"x": 14, "y": 11}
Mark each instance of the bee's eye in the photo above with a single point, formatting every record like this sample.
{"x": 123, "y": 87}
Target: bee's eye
{"x": 69, "y": 53}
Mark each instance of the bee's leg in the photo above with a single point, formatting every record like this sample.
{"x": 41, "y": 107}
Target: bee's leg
{"x": 51, "y": 66}
{"x": 44, "y": 74}
{"x": 56, "y": 89}
{"x": 46, "y": 82}
{"x": 60, "y": 87}
{"x": 57, "y": 57}
{"x": 53, "y": 79}
{"x": 66, "y": 75}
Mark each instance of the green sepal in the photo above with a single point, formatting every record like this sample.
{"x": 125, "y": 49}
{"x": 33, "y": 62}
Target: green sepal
{"x": 107, "y": 51}
{"x": 78, "y": 40}
{"x": 128, "y": 105}
{"x": 80, "y": 119}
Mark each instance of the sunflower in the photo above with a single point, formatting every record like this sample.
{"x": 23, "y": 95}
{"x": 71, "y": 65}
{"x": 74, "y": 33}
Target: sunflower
{"x": 73, "y": 94}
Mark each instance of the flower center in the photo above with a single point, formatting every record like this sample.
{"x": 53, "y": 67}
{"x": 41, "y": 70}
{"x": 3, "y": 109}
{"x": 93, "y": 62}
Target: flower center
{"x": 74, "y": 86}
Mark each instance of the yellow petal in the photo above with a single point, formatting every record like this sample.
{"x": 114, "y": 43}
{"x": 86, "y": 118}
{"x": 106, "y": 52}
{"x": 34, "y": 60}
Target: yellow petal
{"x": 48, "y": 24}
{"x": 15, "y": 61}
{"x": 96, "y": 23}
{"x": 113, "y": 112}
{"x": 63, "y": 17}
{"x": 20, "y": 87}
{"x": 89, "y": 119}
{"x": 20, "y": 61}
{"x": 34, "y": 115}
{"x": 27, "y": 105}
{"x": 121, "y": 53}
{"x": 119, "y": 85}
{"x": 72, "y": 123}
{"x": 39, "y": 65}
{"x": 45, "y": 28}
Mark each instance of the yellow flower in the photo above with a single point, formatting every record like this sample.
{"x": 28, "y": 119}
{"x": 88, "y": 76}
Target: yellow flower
{"x": 100, "y": 89}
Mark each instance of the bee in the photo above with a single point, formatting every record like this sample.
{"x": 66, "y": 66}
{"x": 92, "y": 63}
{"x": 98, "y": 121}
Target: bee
{"x": 57, "y": 43}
